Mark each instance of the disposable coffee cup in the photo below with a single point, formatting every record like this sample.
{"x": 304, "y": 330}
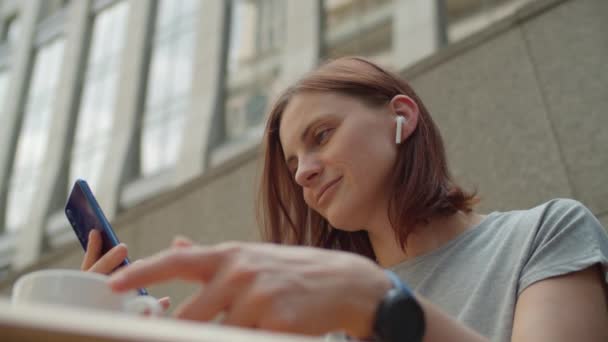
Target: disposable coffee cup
{"x": 82, "y": 290}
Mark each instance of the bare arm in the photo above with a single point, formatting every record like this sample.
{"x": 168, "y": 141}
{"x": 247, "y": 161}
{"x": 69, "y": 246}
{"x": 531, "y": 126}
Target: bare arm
{"x": 280, "y": 288}
{"x": 301, "y": 290}
{"x": 566, "y": 308}
{"x": 441, "y": 327}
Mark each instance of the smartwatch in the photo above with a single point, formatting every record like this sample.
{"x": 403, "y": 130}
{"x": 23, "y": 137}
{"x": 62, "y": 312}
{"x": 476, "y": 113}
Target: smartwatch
{"x": 399, "y": 317}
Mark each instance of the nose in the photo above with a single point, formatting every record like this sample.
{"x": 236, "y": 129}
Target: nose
{"x": 309, "y": 169}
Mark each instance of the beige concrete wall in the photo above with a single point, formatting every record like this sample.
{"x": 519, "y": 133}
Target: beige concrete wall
{"x": 521, "y": 105}
{"x": 523, "y": 112}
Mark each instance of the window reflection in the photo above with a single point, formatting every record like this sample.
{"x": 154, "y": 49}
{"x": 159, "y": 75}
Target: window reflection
{"x": 169, "y": 83}
{"x": 31, "y": 147}
{"x": 95, "y": 118}
{"x": 256, "y": 35}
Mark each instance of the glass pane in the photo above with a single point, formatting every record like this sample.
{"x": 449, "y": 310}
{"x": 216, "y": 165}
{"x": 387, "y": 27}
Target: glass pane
{"x": 20, "y": 198}
{"x": 169, "y": 83}
{"x": 151, "y": 148}
{"x": 242, "y": 34}
{"x": 173, "y": 137}
{"x": 87, "y": 112}
{"x": 161, "y": 143}
{"x": 187, "y": 7}
{"x": 118, "y": 14}
{"x": 182, "y": 76}
{"x": 254, "y": 51}
{"x": 33, "y": 139}
{"x": 166, "y": 13}
{"x": 95, "y": 118}
{"x": 159, "y": 77}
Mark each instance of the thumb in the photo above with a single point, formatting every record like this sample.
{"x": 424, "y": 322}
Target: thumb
{"x": 181, "y": 242}
{"x": 165, "y": 303}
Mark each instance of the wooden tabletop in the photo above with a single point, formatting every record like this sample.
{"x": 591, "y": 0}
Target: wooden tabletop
{"x": 54, "y": 323}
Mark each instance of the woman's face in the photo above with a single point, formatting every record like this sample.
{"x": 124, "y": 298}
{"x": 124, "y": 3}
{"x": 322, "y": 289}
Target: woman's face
{"x": 342, "y": 153}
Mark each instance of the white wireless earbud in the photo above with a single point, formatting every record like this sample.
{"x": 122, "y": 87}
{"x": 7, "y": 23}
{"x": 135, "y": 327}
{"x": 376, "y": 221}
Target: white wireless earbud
{"x": 400, "y": 121}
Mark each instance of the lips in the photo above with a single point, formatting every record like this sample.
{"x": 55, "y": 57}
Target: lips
{"x": 325, "y": 187}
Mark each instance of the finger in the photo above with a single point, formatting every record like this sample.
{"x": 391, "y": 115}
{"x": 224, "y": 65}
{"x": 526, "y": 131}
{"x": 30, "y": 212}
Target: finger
{"x": 244, "y": 311}
{"x": 196, "y": 263}
{"x": 93, "y": 251}
{"x": 181, "y": 242}
{"x": 112, "y": 259}
{"x": 213, "y": 299}
{"x": 165, "y": 303}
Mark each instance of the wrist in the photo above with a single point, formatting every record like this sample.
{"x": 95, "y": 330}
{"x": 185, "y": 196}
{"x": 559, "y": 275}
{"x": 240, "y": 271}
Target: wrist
{"x": 361, "y": 306}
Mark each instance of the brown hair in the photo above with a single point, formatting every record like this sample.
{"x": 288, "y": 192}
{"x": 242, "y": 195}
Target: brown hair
{"x": 423, "y": 188}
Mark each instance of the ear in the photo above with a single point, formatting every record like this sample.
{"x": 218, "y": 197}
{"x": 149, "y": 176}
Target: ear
{"x": 408, "y": 108}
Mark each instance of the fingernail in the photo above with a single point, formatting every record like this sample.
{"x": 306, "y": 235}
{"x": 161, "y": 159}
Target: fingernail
{"x": 166, "y": 302}
{"x": 178, "y": 238}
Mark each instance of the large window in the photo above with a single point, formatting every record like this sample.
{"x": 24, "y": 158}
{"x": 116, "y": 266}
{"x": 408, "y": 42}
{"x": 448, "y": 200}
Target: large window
{"x": 465, "y": 17}
{"x": 254, "y": 60}
{"x": 31, "y": 147}
{"x": 169, "y": 84}
{"x": 95, "y": 118}
{"x": 359, "y": 27}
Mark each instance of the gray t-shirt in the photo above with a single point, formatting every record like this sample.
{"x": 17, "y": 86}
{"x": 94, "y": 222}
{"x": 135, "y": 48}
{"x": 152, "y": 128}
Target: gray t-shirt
{"x": 478, "y": 276}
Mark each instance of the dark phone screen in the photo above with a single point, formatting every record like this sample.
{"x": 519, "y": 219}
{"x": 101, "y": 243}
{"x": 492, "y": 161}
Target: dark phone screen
{"x": 84, "y": 214}
{"x": 83, "y": 218}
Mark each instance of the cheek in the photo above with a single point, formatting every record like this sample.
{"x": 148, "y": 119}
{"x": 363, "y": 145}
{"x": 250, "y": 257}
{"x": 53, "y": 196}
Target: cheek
{"x": 369, "y": 167}
{"x": 366, "y": 161}
{"x": 308, "y": 197}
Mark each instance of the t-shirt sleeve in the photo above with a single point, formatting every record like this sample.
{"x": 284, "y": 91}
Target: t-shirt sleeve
{"x": 568, "y": 238}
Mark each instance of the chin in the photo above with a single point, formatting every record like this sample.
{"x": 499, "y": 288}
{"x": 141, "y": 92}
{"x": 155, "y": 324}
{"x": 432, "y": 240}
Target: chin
{"x": 340, "y": 214}
{"x": 342, "y": 222}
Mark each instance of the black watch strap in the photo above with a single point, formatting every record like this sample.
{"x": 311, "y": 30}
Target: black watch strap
{"x": 399, "y": 317}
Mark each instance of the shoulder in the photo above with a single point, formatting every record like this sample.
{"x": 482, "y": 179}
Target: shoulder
{"x": 560, "y": 219}
{"x": 539, "y": 214}
{"x": 565, "y": 238}
{"x": 556, "y": 213}
{"x": 563, "y": 213}
{"x": 558, "y": 206}
{"x": 563, "y": 205}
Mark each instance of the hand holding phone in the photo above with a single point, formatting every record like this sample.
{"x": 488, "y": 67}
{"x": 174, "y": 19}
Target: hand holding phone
{"x": 95, "y": 261}
{"x": 85, "y": 214}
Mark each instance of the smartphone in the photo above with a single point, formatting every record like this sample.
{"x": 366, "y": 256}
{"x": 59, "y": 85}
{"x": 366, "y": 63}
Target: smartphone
{"x": 84, "y": 214}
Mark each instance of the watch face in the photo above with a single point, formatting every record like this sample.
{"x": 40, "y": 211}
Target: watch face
{"x": 413, "y": 327}
{"x": 400, "y": 318}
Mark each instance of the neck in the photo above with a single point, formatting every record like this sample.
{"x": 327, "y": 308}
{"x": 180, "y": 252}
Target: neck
{"x": 423, "y": 239}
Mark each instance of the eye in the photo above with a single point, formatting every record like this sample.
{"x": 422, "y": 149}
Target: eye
{"x": 322, "y": 135}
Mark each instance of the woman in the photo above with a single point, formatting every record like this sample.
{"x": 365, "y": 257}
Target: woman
{"x": 356, "y": 176}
